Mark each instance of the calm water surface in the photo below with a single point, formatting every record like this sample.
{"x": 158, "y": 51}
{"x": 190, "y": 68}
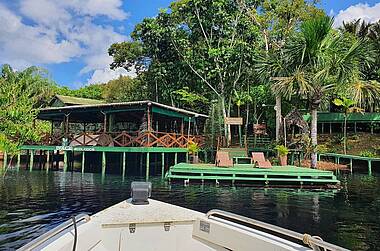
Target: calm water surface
{"x": 31, "y": 203}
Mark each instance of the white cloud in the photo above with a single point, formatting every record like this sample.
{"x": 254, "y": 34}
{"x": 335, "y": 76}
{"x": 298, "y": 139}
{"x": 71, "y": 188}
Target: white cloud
{"x": 105, "y": 75}
{"x": 61, "y": 31}
{"x": 362, "y": 11}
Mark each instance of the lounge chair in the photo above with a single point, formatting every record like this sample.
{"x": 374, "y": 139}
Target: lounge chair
{"x": 259, "y": 160}
{"x": 223, "y": 159}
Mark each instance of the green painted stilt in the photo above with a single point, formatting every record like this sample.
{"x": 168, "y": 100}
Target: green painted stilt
{"x": 83, "y": 160}
{"x": 351, "y": 165}
{"x": 65, "y": 161}
{"x": 147, "y": 166}
{"x": 124, "y": 160}
{"x": 369, "y": 167}
{"x": 47, "y": 164}
{"x": 18, "y": 161}
{"x": 31, "y": 161}
{"x": 175, "y": 158}
{"x": 5, "y": 160}
{"x": 162, "y": 165}
{"x": 103, "y": 163}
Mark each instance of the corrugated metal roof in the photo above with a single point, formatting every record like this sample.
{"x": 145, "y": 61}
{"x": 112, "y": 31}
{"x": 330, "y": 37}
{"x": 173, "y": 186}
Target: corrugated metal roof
{"x": 121, "y": 104}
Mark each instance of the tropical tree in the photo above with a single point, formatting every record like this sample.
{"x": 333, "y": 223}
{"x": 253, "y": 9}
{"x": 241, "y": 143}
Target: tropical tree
{"x": 21, "y": 94}
{"x": 348, "y": 106}
{"x": 318, "y": 61}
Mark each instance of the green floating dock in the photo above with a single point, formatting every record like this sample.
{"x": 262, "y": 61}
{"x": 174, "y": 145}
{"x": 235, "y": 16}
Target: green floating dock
{"x": 277, "y": 175}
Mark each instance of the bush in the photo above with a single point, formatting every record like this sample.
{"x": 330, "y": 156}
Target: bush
{"x": 368, "y": 154}
{"x": 282, "y": 150}
{"x": 322, "y": 148}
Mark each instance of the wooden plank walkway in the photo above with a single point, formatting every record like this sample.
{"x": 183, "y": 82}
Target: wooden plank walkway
{"x": 247, "y": 173}
{"x": 338, "y": 156}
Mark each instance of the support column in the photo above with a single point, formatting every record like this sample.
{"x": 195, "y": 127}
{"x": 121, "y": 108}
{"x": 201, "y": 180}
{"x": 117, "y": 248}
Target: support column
{"x": 5, "y": 160}
{"x": 64, "y": 161}
{"x": 355, "y": 127}
{"x": 323, "y": 128}
{"x": 162, "y": 165}
{"x": 18, "y": 161}
{"x": 330, "y": 128}
{"x": 175, "y": 158}
{"x": 83, "y": 160}
{"x": 124, "y": 159}
{"x": 31, "y": 161}
{"x": 47, "y": 164}
{"x": 103, "y": 163}
{"x": 147, "y": 166}
{"x": 187, "y": 157}
{"x": 351, "y": 165}
{"x": 369, "y": 167}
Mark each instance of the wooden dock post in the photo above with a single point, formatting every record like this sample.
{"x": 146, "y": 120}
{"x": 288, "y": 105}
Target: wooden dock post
{"x": 175, "y": 158}
{"x": 162, "y": 164}
{"x": 18, "y": 161}
{"x": 83, "y": 160}
{"x": 5, "y": 160}
{"x": 147, "y": 166}
{"x": 31, "y": 161}
{"x": 351, "y": 165}
{"x": 64, "y": 161}
{"x": 123, "y": 164}
{"x": 369, "y": 167}
{"x": 47, "y": 164}
{"x": 103, "y": 163}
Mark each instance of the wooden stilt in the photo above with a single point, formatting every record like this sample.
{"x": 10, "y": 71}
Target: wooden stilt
{"x": 175, "y": 158}
{"x": 103, "y": 163}
{"x": 83, "y": 160}
{"x": 355, "y": 127}
{"x": 65, "y": 161}
{"x": 31, "y": 161}
{"x": 162, "y": 165}
{"x": 323, "y": 128}
{"x": 18, "y": 161}
{"x": 147, "y": 166}
{"x": 5, "y": 160}
{"x": 47, "y": 164}
{"x": 187, "y": 157}
{"x": 369, "y": 167}
{"x": 123, "y": 160}
{"x": 330, "y": 128}
{"x": 351, "y": 165}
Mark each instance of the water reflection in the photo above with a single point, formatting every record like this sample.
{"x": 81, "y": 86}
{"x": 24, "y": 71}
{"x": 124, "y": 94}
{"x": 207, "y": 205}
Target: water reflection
{"x": 33, "y": 202}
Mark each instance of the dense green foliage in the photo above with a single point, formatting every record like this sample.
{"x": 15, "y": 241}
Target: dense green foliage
{"x": 21, "y": 94}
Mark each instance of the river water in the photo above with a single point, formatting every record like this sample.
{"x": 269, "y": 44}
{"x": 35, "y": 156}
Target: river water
{"x": 33, "y": 202}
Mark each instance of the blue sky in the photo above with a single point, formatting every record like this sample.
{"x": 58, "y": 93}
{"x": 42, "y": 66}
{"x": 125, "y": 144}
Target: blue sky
{"x": 70, "y": 38}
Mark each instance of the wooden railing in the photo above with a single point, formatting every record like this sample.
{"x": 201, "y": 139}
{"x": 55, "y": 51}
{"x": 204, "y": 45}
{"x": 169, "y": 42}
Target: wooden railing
{"x": 127, "y": 139}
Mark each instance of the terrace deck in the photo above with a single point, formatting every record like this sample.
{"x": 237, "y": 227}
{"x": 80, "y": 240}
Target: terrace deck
{"x": 277, "y": 175}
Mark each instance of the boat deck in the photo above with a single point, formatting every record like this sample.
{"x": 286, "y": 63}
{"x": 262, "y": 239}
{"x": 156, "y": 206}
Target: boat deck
{"x": 247, "y": 173}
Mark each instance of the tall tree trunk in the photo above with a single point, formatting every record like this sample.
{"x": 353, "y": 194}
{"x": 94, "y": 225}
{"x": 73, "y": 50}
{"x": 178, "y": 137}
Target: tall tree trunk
{"x": 278, "y": 117}
{"x": 314, "y": 142}
{"x": 240, "y": 141}
{"x": 222, "y": 101}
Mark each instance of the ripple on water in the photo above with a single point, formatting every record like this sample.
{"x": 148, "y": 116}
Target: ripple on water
{"x": 32, "y": 203}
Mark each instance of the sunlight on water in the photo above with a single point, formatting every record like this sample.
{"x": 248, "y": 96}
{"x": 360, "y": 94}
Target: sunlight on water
{"x": 32, "y": 203}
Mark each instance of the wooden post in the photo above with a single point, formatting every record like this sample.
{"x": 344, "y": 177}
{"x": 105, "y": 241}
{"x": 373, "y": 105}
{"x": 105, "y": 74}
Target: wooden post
{"x": 175, "y": 158}
{"x": 187, "y": 157}
{"x": 355, "y": 127}
{"x": 369, "y": 167}
{"x": 5, "y": 160}
{"x": 147, "y": 166}
{"x": 162, "y": 165}
{"x": 105, "y": 122}
{"x": 18, "y": 161}
{"x": 31, "y": 161}
{"x": 330, "y": 128}
{"x": 149, "y": 125}
{"x": 64, "y": 161}
{"x": 123, "y": 165}
{"x": 83, "y": 160}
{"x": 322, "y": 128}
{"x": 351, "y": 165}
{"x": 47, "y": 161}
{"x": 103, "y": 163}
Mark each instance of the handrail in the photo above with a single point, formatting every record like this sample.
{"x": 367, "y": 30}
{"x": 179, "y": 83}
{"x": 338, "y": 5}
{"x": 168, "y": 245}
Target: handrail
{"x": 53, "y": 232}
{"x": 312, "y": 241}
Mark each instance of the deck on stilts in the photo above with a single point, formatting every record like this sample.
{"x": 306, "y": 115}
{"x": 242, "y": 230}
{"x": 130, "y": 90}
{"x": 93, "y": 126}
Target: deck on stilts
{"x": 277, "y": 175}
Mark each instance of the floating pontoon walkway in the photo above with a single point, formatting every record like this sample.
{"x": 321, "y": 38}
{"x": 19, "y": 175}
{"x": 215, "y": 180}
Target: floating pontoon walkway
{"x": 278, "y": 175}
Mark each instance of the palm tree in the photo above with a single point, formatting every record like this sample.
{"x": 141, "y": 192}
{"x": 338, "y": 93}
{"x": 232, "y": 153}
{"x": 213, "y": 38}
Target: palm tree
{"x": 319, "y": 61}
